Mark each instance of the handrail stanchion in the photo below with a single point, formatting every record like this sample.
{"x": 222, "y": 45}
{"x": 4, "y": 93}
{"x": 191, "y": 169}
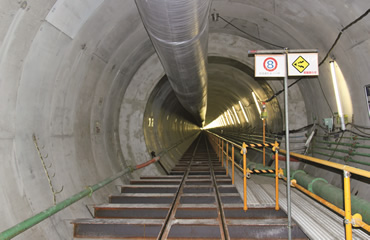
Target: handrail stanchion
{"x": 233, "y": 165}
{"x": 219, "y": 149}
{"x": 276, "y": 149}
{"x": 264, "y": 141}
{"x": 347, "y": 204}
{"x": 244, "y": 152}
{"x": 222, "y": 153}
{"x": 227, "y": 158}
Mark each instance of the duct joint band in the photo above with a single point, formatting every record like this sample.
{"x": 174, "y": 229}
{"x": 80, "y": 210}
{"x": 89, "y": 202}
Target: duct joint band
{"x": 313, "y": 181}
{"x": 297, "y": 171}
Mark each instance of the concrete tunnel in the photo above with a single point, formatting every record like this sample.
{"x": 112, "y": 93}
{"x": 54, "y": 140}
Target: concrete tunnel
{"x": 84, "y": 94}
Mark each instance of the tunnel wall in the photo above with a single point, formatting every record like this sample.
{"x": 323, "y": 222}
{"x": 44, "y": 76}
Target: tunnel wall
{"x": 66, "y": 82}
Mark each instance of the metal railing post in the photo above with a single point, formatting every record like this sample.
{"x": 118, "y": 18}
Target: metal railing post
{"x": 233, "y": 164}
{"x": 244, "y": 152}
{"x": 347, "y": 204}
{"x": 275, "y": 148}
{"x": 264, "y": 141}
{"x": 222, "y": 153}
{"x": 227, "y": 158}
{"x": 219, "y": 149}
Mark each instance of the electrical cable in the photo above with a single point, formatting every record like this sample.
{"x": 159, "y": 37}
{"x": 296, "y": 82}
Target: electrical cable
{"x": 363, "y": 134}
{"x": 336, "y": 147}
{"x": 359, "y": 126}
{"x": 326, "y": 56}
{"x": 251, "y": 36}
{"x": 326, "y": 99}
{"x": 362, "y": 131}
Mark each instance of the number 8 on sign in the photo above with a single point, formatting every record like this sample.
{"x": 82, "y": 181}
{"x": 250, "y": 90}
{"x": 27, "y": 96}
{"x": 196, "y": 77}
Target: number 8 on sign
{"x": 270, "y": 64}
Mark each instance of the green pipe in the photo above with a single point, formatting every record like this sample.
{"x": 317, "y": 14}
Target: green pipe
{"x": 346, "y": 159}
{"x": 32, "y": 221}
{"x": 352, "y": 138}
{"x": 352, "y": 153}
{"x": 354, "y": 145}
{"x": 332, "y": 194}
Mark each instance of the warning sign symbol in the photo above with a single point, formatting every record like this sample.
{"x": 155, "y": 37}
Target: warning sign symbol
{"x": 300, "y": 64}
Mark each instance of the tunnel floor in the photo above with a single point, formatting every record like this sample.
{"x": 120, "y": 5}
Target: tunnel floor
{"x": 197, "y": 200}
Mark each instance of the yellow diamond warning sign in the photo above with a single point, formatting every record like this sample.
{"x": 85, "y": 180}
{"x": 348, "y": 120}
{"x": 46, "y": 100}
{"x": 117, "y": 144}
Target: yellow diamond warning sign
{"x": 303, "y": 64}
{"x": 300, "y": 64}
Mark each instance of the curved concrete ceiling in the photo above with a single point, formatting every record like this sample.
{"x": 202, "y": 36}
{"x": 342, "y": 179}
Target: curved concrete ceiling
{"x": 84, "y": 79}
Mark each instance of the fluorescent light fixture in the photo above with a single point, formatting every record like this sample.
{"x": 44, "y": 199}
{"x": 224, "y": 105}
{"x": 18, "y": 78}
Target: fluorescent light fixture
{"x": 222, "y": 120}
{"x": 236, "y": 115}
{"x": 231, "y": 119}
{"x": 337, "y": 97}
{"x": 245, "y": 115}
{"x": 227, "y": 119}
{"x": 257, "y": 104}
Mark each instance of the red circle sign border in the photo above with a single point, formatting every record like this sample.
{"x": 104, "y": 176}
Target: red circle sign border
{"x": 273, "y": 59}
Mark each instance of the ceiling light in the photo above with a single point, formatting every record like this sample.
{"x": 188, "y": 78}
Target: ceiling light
{"x": 236, "y": 115}
{"x": 245, "y": 115}
{"x": 257, "y": 104}
{"x": 232, "y": 121}
{"x": 227, "y": 119}
{"x": 337, "y": 97}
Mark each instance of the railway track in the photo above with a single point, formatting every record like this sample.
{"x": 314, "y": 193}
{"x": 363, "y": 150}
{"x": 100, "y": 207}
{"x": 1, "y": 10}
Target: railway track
{"x": 195, "y": 201}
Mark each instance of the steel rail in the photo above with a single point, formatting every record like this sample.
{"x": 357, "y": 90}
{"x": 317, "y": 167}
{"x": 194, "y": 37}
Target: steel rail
{"x": 163, "y": 234}
{"x": 218, "y": 198}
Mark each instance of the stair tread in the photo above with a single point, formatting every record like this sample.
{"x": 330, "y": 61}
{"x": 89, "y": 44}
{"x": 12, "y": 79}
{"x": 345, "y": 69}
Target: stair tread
{"x": 151, "y": 186}
{"x": 144, "y": 195}
{"x": 255, "y": 222}
{"x": 120, "y": 205}
{"x": 117, "y": 221}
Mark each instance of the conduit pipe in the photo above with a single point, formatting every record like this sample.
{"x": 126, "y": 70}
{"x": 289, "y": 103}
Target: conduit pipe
{"x": 330, "y": 193}
{"x": 179, "y": 33}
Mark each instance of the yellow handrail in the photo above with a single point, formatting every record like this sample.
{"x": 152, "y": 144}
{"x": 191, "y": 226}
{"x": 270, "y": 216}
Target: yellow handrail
{"x": 348, "y": 218}
{"x": 339, "y": 166}
{"x": 219, "y": 149}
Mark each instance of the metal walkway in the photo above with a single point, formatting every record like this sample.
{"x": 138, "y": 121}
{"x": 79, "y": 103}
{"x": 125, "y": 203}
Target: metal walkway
{"x": 196, "y": 201}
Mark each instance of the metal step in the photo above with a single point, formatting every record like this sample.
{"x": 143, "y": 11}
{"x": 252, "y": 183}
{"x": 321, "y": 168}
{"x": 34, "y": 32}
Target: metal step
{"x": 149, "y": 189}
{"x": 141, "y": 211}
{"x": 196, "y": 201}
{"x": 158, "y": 198}
{"x": 117, "y": 228}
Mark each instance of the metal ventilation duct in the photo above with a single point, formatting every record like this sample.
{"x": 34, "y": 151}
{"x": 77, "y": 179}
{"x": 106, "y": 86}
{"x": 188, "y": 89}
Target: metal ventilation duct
{"x": 178, "y": 30}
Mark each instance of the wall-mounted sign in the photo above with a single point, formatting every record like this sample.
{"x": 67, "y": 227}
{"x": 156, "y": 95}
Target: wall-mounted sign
{"x": 303, "y": 64}
{"x": 272, "y": 65}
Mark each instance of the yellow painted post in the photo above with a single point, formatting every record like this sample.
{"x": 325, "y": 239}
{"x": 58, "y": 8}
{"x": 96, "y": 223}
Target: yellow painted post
{"x": 227, "y": 158}
{"x": 219, "y": 149}
{"x": 276, "y": 176}
{"x": 244, "y": 152}
{"x": 347, "y": 205}
{"x": 264, "y": 140}
{"x": 232, "y": 167}
{"x": 222, "y": 153}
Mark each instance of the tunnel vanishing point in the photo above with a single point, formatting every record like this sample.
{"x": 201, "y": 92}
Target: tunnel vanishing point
{"x": 89, "y": 88}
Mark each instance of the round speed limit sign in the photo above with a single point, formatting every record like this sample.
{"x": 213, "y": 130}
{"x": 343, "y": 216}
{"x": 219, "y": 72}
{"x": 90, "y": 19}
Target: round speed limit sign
{"x": 270, "y": 64}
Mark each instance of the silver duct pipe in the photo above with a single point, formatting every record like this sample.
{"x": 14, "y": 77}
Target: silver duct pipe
{"x": 178, "y": 30}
